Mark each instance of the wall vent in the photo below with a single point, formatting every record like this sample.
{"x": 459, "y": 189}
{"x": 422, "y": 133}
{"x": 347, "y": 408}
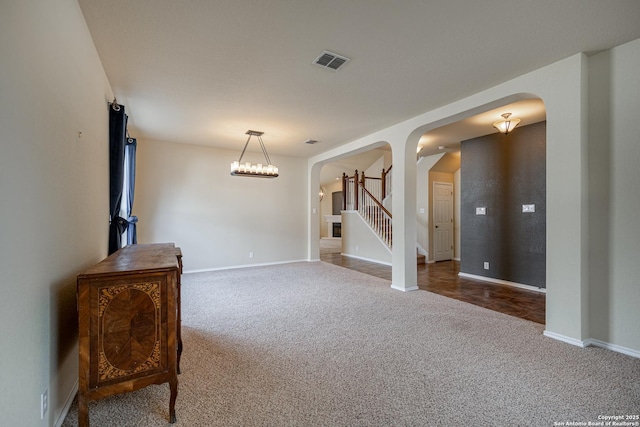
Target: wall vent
{"x": 330, "y": 60}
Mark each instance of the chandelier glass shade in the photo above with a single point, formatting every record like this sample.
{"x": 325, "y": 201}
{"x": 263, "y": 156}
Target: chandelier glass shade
{"x": 507, "y": 124}
{"x": 259, "y": 170}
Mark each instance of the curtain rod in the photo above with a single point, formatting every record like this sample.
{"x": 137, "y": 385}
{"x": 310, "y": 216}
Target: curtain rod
{"x": 115, "y": 105}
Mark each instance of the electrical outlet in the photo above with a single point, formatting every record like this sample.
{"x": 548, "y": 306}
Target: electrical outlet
{"x": 486, "y": 265}
{"x": 528, "y": 208}
{"x": 481, "y": 211}
{"x": 250, "y": 254}
{"x": 44, "y": 403}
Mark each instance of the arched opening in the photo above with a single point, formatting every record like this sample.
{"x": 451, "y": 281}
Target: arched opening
{"x": 336, "y": 176}
{"x": 503, "y": 175}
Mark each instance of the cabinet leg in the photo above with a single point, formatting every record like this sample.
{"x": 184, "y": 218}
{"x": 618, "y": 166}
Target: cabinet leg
{"x": 83, "y": 411}
{"x": 172, "y": 401}
{"x": 179, "y": 327}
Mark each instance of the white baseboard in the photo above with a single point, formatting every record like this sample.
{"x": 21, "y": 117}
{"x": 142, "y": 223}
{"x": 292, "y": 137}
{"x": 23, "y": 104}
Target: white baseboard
{"x": 613, "y": 347}
{"x": 456, "y": 259}
{"x": 422, "y": 251}
{"x": 593, "y": 342}
{"x": 366, "y": 259}
{"x": 67, "y": 405}
{"x": 233, "y": 267}
{"x": 503, "y": 282}
{"x": 397, "y": 288}
{"x": 568, "y": 340}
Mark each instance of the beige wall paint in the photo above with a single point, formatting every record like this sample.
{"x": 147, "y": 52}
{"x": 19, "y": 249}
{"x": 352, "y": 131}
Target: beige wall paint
{"x": 185, "y": 194}
{"x": 614, "y": 179}
{"x": 359, "y": 241}
{"x": 436, "y": 177}
{"x": 326, "y": 207}
{"x": 423, "y": 193}
{"x": 55, "y": 202}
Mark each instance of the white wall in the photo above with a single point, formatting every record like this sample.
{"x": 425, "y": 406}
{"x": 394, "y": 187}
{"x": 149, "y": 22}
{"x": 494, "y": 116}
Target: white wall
{"x": 422, "y": 200}
{"x": 326, "y": 205}
{"x": 185, "y": 194}
{"x": 614, "y": 181}
{"x": 360, "y": 241}
{"x": 375, "y": 170}
{"x": 55, "y": 201}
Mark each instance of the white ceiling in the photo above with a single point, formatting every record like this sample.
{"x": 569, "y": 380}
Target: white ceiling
{"x": 204, "y": 72}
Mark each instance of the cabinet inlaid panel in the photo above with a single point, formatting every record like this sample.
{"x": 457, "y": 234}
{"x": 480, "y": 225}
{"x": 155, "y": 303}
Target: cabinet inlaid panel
{"x": 130, "y": 323}
{"x": 129, "y": 330}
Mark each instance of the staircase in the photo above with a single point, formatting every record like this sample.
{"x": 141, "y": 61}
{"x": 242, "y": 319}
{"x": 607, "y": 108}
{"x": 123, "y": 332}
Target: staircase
{"x": 364, "y": 194}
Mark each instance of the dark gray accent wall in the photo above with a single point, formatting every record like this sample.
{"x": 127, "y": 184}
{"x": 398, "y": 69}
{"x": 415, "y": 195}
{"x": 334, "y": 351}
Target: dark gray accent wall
{"x": 336, "y": 202}
{"x": 501, "y": 173}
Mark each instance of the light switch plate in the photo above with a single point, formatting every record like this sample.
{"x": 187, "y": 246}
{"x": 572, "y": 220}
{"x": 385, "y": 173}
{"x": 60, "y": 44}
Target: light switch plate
{"x": 481, "y": 211}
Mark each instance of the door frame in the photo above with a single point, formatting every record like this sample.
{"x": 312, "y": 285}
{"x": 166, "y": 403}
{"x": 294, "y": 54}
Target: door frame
{"x": 432, "y": 232}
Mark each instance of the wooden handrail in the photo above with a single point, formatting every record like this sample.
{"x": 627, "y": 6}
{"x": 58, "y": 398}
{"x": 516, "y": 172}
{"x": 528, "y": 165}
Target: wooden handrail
{"x": 378, "y": 203}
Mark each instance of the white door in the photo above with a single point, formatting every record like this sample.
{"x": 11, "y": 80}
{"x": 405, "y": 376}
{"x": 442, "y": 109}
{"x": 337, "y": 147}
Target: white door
{"x": 442, "y": 221}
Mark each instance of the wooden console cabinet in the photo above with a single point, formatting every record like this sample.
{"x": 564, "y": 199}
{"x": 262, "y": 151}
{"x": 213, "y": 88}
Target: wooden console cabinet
{"x": 129, "y": 324}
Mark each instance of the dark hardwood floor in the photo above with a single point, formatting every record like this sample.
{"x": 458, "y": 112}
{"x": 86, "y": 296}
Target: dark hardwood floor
{"x": 442, "y": 278}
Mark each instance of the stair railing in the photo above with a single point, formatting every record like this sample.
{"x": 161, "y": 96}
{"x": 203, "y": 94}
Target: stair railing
{"x": 356, "y": 196}
{"x": 378, "y": 217}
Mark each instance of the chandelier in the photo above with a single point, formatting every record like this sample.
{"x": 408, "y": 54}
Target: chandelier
{"x": 260, "y": 170}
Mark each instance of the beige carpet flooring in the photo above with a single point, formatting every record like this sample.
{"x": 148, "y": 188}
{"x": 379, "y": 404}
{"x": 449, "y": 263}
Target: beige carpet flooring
{"x": 313, "y": 344}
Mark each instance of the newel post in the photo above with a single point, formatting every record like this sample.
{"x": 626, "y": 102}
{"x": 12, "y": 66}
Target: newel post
{"x": 383, "y": 176}
{"x": 355, "y": 190}
{"x": 344, "y": 191}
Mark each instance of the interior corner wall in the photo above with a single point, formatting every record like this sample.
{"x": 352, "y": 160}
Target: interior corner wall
{"x": 423, "y": 194}
{"x": 501, "y": 173}
{"x": 54, "y": 189}
{"x": 456, "y": 216}
{"x": 326, "y": 206}
{"x": 185, "y": 195}
{"x": 614, "y": 201}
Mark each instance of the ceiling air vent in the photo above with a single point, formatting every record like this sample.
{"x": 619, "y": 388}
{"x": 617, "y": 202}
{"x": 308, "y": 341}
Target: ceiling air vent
{"x": 310, "y": 141}
{"x": 330, "y": 60}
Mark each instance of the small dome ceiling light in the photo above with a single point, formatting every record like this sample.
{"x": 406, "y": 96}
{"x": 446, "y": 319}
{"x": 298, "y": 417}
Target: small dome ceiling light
{"x": 507, "y": 124}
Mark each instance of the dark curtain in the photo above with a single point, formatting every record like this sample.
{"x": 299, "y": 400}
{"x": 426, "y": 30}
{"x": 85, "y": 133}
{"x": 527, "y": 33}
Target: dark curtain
{"x": 117, "y": 141}
{"x": 130, "y": 166}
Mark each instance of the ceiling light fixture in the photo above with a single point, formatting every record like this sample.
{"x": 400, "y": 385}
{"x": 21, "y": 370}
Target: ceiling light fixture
{"x": 259, "y": 170}
{"x": 507, "y": 124}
